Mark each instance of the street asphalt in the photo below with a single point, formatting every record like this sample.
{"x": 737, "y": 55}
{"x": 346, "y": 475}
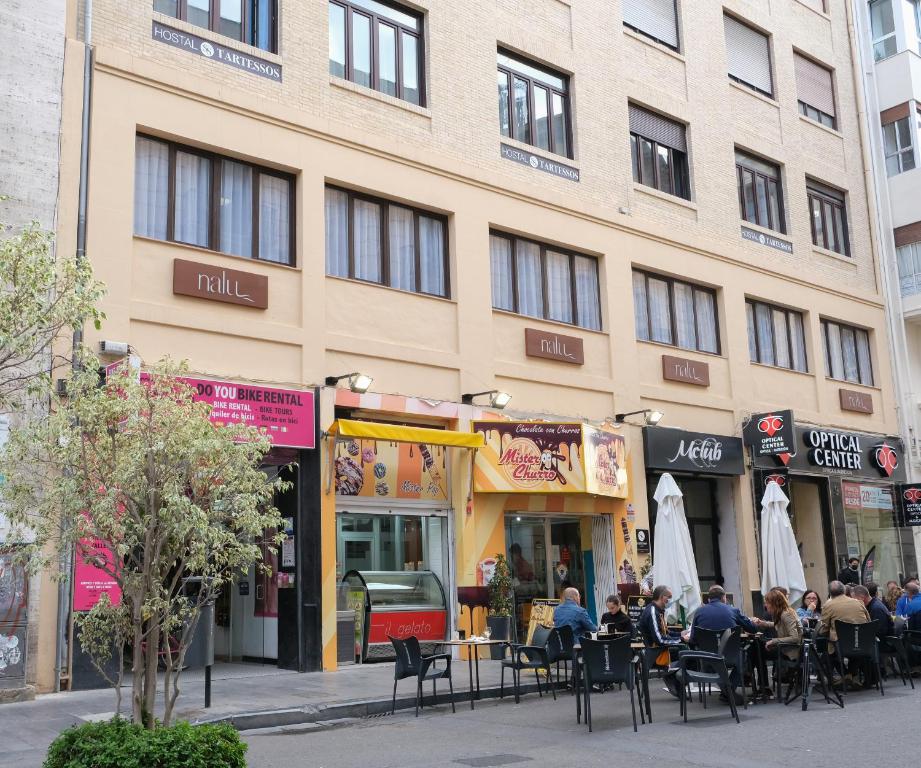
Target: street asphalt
{"x": 541, "y": 732}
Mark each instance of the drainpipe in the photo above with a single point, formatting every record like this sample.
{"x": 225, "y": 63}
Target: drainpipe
{"x": 884, "y": 245}
{"x": 65, "y": 587}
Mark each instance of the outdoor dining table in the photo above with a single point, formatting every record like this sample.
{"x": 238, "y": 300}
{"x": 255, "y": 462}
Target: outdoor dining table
{"x": 473, "y": 659}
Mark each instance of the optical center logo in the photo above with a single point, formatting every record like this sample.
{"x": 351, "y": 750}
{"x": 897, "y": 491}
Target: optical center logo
{"x": 886, "y": 459}
{"x": 912, "y": 495}
{"x": 781, "y": 480}
{"x": 770, "y": 425}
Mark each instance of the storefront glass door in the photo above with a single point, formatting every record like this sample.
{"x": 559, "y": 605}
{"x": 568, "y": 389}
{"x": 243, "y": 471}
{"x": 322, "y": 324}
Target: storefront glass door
{"x": 812, "y": 526}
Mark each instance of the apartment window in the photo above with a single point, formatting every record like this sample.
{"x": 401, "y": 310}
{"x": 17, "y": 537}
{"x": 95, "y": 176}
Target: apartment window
{"x": 189, "y": 196}
{"x": 371, "y": 239}
{"x": 675, "y": 312}
{"x": 814, "y": 90}
{"x": 379, "y": 46}
{"x": 760, "y": 192}
{"x": 776, "y": 336}
{"x": 828, "y": 217}
{"x": 847, "y": 353}
{"x": 657, "y": 19}
{"x": 882, "y": 29}
{"x": 543, "y": 281}
{"x": 534, "y": 105}
{"x": 253, "y": 22}
{"x": 748, "y": 53}
{"x": 658, "y": 148}
{"x": 897, "y": 146}
{"x": 909, "y": 258}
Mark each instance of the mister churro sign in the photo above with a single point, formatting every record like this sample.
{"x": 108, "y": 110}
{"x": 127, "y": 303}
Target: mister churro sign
{"x": 549, "y": 457}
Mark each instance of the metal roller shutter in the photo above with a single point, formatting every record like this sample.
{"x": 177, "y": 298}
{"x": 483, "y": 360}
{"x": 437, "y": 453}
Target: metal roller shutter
{"x": 657, "y": 128}
{"x": 748, "y": 54}
{"x": 656, "y": 18}
{"x": 814, "y": 85}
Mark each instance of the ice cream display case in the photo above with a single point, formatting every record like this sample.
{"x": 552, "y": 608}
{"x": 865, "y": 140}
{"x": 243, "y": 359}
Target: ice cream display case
{"x": 399, "y": 604}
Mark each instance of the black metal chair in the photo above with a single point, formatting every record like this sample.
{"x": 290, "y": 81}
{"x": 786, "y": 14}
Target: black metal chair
{"x": 609, "y": 662}
{"x": 912, "y": 641}
{"x": 567, "y": 653}
{"x": 731, "y": 649}
{"x": 525, "y": 657}
{"x": 787, "y": 665}
{"x": 895, "y": 648}
{"x": 858, "y": 641}
{"x": 704, "y": 669}
{"x": 411, "y": 663}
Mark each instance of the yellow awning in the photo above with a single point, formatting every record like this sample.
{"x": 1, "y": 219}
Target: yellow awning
{"x": 370, "y": 430}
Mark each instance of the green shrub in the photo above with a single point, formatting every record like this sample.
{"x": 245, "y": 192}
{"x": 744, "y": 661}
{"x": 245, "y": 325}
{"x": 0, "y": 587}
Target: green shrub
{"x": 118, "y": 743}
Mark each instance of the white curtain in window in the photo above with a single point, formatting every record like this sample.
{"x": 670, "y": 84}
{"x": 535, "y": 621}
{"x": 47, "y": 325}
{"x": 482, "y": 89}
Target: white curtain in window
{"x": 781, "y": 339}
{"x": 236, "y": 209}
{"x": 863, "y": 358}
{"x": 500, "y": 264}
{"x": 706, "y": 322}
{"x": 402, "y": 249}
{"x": 337, "y": 233}
{"x": 798, "y": 341}
{"x": 274, "y": 219}
{"x": 530, "y": 284}
{"x": 559, "y": 287}
{"x": 193, "y": 194}
{"x": 684, "y": 316}
{"x": 834, "y": 351}
{"x": 659, "y": 311}
{"x": 849, "y": 354}
{"x": 587, "y": 292}
{"x": 765, "y": 333}
{"x": 432, "y": 255}
{"x": 752, "y": 333}
{"x": 366, "y": 225}
{"x": 151, "y": 188}
{"x": 641, "y": 311}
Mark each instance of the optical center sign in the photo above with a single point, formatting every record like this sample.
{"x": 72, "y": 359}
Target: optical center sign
{"x": 209, "y": 49}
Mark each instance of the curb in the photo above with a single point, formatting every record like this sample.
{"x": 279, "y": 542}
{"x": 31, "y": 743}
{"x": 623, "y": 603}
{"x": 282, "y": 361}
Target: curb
{"x": 354, "y": 710}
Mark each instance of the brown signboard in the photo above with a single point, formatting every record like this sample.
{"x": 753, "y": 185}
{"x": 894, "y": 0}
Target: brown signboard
{"x": 553, "y": 346}
{"x": 686, "y": 371}
{"x": 204, "y": 281}
{"x": 859, "y": 402}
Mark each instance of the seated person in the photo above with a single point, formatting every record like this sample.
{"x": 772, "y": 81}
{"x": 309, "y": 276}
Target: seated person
{"x": 571, "y": 613}
{"x": 910, "y": 603}
{"x": 717, "y": 615}
{"x": 893, "y": 593}
{"x": 869, "y": 596}
{"x": 788, "y": 632}
{"x": 811, "y": 607}
{"x": 615, "y": 615}
{"x": 655, "y": 634}
{"x": 839, "y": 607}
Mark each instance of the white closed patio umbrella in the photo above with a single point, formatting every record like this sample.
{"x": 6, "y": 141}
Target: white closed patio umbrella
{"x": 781, "y": 565}
{"x": 674, "y": 562}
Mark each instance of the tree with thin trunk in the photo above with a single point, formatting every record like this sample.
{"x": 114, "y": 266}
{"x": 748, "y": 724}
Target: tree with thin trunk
{"x": 44, "y": 297}
{"x": 136, "y": 476}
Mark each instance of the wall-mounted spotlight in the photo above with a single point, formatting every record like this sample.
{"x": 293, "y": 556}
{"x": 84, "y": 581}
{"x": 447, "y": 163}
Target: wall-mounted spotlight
{"x": 497, "y": 399}
{"x": 358, "y": 382}
{"x": 651, "y": 417}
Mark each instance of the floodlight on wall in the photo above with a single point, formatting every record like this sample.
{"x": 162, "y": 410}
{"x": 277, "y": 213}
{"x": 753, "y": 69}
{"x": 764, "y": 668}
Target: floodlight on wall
{"x": 358, "y": 382}
{"x": 497, "y": 399}
{"x": 651, "y": 417}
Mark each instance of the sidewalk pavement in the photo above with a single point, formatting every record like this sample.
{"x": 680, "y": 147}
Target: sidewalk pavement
{"x": 248, "y": 695}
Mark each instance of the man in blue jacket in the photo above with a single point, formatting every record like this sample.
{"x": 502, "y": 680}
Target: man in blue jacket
{"x": 571, "y": 612}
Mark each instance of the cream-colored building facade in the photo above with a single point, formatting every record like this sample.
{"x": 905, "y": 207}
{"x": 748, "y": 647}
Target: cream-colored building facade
{"x": 424, "y": 351}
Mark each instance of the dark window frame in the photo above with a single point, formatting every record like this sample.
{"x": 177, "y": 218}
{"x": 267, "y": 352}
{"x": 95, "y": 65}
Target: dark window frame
{"x": 822, "y": 118}
{"x": 757, "y": 173}
{"x": 385, "y": 204}
{"x": 542, "y": 249}
{"x": 822, "y": 196}
{"x": 673, "y": 323}
{"x": 375, "y": 22}
{"x": 754, "y": 303}
{"x": 246, "y": 26}
{"x": 513, "y": 74}
{"x": 829, "y": 369}
{"x": 214, "y": 222}
{"x": 678, "y": 187}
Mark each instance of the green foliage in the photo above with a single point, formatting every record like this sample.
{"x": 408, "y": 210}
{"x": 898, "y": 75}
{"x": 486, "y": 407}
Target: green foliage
{"x": 118, "y": 743}
{"x": 42, "y": 296}
{"x": 501, "y": 594}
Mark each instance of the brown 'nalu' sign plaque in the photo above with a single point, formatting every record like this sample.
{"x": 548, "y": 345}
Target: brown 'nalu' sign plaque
{"x": 686, "y": 371}
{"x": 204, "y": 281}
{"x": 553, "y": 346}
{"x": 859, "y": 402}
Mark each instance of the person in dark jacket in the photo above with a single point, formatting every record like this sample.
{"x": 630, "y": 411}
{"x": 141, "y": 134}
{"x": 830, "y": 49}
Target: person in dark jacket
{"x": 850, "y": 574}
{"x": 652, "y": 625}
{"x": 616, "y": 616}
{"x": 869, "y": 596}
{"x": 717, "y": 615}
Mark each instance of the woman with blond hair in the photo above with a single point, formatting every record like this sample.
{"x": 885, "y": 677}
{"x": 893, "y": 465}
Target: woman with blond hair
{"x": 786, "y": 624}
